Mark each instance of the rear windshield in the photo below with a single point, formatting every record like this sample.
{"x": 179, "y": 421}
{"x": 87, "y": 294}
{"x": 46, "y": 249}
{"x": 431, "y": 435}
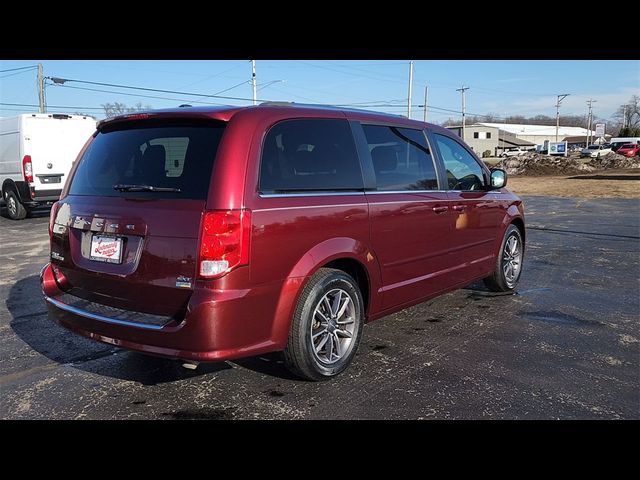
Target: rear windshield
{"x": 175, "y": 157}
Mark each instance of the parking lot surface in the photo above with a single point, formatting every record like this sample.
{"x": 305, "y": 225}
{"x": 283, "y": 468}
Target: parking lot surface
{"x": 566, "y": 346}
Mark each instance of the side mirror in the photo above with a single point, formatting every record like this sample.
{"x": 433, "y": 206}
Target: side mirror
{"x": 498, "y": 178}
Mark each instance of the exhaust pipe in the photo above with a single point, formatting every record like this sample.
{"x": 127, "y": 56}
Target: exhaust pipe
{"x": 190, "y": 365}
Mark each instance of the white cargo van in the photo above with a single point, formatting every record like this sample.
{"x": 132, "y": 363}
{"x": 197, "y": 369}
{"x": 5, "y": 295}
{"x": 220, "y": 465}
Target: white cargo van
{"x": 36, "y": 153}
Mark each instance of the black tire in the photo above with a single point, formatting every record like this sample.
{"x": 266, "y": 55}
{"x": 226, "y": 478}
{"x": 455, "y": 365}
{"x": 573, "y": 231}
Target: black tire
{"x": 498, "y": 280}
{"x": 299, "y": 355}
{"x": 15, "y": 209}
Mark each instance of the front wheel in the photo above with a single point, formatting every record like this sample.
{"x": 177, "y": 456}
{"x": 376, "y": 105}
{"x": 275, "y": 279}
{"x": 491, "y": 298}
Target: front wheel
{"x": 326, "y": 326}
{"x": 506, "y": 273}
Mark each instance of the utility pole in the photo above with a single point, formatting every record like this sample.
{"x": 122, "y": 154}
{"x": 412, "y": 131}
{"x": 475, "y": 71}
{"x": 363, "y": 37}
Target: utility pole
{"x": 42, "y": 108}
{"x": 560, "y": 98}
{"x": 426, "y": 99}
{"x": 253, "y": 82}
{"x": 410, "y": 88}
{"x": 589, "y": 121}
{"x": 462, "y": 90}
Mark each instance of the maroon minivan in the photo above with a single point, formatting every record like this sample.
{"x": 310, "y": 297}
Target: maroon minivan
{"x": 210, "y": 234}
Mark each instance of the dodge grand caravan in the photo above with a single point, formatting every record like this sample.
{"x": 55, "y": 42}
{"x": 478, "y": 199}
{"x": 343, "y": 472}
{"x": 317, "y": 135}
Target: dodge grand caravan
{"x": 208, "y": 234}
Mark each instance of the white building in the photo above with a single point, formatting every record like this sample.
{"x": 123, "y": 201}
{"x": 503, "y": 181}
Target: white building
{"x": 537, "y": 134}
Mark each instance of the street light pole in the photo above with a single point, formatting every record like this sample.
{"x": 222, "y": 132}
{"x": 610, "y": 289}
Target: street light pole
{"x": 560, "y": 98}
{"x": 253, "y": 81}
{"x": 462, "y": 90}
{"x": 426, "y": 99}
{"x": 589, "y": 121}
{"x": 410, "y": 88}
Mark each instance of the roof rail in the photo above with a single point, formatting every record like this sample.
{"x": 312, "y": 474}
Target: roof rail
{"x": 277, "y": 104}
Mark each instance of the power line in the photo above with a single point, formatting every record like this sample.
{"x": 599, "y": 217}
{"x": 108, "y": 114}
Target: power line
{"x": 19, "y": 68}
{"x": 15, "y": 73}
{"x": 136, "y": 95}
{"x": 58, "y": 81}
{"x": 52, "y": 106}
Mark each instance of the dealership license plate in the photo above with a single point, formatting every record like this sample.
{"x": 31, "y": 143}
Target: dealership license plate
{"x": 106, "y": 249}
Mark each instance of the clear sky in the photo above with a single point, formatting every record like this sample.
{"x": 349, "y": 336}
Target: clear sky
{"x": 523, "y": 87}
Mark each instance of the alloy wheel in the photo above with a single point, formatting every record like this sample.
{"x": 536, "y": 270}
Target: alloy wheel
{"x": 333, "y": 326}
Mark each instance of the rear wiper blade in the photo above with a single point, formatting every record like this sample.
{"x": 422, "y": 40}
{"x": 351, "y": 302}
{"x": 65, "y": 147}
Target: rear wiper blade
{"x": 143, "y": 188}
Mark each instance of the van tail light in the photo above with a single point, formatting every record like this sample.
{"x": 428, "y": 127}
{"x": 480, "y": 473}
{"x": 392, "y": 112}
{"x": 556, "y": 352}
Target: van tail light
{"x": 224, "y": 241}
{"x": 27, "y": 169}
{"x": 52, "y": 217}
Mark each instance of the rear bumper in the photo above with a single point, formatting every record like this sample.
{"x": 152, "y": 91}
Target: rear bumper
{"x": 46, "y": 195}
{"x": 31, "y": 197}
{"x": 219, "y": 325}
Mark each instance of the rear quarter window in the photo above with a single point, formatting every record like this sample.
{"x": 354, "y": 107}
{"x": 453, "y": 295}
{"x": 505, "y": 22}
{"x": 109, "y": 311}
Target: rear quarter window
{"x": 310, "y": 155}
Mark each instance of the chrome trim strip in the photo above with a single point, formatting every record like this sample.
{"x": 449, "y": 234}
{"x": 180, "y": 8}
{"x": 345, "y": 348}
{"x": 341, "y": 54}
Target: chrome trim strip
{"x": 422, "y": 200}
{"x": 336, "y": 205}
{"x": 101, "y": 318}
{"x": 381, "y": 192}
{"x": 318, "y": 194}
{"x": 404, "y": 283}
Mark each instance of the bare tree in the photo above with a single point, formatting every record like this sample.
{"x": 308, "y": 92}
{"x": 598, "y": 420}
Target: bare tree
{"x": 628, "y": 115}
{"x": 116, "y": 108}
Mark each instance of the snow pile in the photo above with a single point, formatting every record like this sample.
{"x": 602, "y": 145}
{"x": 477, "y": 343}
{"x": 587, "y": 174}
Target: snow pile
{"x": 613, "y": 160}
{"x": 535, "y": 164}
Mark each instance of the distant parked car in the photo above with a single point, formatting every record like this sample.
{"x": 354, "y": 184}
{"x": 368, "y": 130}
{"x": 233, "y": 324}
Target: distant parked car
{"x": 514, "y": 152}
{"x": 629, "y": 150}
{"x": 595, "y": 151}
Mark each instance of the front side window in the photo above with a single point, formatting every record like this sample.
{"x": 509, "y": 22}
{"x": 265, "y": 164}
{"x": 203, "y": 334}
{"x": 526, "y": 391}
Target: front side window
{"x": 310, "y": 155}
{"x": 401, "y": 158}
{"x": 463, "y": 172}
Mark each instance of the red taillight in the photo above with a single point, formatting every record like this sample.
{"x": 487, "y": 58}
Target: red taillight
{"x": 52, "y": 217}
{"x": 224, "y": 241}
{"x": 27, "y": 169}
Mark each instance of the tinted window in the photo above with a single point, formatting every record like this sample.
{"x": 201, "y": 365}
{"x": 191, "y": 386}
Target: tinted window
{"x": 401, "y": 158}
{"x": 310, "y": 155}
{"x": 174, "y": 156}
{"x": 463, "y": 172}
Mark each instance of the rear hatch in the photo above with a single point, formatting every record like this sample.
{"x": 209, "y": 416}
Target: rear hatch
{"x": 127, "y": 233}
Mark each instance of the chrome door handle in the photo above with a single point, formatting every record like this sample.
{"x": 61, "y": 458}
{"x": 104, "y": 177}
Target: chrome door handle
{"x": 440, "y": 209}
{"x": 459, "y": 208}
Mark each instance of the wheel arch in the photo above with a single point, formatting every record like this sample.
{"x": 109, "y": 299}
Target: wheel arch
{"x": 519, "y": 222}
{"x": 20, "y": 188}
{"x": 347, "y": 254}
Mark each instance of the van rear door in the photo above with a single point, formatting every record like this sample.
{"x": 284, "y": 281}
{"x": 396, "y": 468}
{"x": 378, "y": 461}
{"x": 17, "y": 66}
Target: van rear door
{"x": 127, "y": 233}
{"x": 53, "y": 143}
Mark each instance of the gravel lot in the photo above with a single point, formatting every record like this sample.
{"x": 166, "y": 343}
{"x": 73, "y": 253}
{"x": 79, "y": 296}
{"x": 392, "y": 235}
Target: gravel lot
{"x": 566, "y": 346}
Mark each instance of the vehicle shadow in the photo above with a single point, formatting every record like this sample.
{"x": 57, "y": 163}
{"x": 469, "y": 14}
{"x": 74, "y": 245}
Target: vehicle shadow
{"x": 270, "y": 364}
{"x": 30, "y": 323}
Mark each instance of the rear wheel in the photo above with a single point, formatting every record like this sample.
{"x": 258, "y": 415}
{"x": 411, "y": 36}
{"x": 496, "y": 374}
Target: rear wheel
{"x": 508, "y": 267}
{"x": 326, "y": 326}
{"x": 16, "y": 210}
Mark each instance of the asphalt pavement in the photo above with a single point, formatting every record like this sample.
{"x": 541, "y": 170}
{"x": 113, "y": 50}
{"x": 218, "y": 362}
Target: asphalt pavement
{"x": 567, "y": 345}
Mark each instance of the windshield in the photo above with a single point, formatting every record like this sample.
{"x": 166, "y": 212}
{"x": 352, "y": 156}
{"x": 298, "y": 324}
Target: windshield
{"x": 593, "y": 147}
{"x": 168, "y": 160}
